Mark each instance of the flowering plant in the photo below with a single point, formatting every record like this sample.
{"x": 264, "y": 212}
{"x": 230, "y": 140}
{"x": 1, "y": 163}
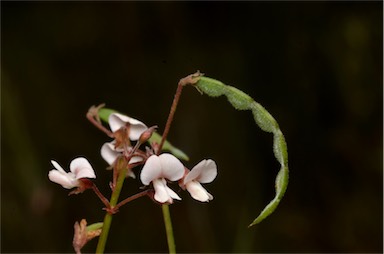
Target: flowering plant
{"x": 138, "y": 150}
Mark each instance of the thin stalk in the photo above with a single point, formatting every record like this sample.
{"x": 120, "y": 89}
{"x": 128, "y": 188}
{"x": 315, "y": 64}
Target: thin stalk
{"x": 190, "y": 79}
{"x": 170, "y": 116}
{"x": 90, "y": 116}
{"x": 101, "y": 196}
{"x": 168, "y": 229}
{"x": 131, "y": 198}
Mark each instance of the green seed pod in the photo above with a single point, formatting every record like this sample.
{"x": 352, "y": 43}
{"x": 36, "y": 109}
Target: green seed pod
{"x": 241, "y": 101}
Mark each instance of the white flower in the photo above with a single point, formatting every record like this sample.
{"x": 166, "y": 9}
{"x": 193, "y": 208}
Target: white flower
{"x": 159, "y": 168}
{"x": 204, "y": 172}
{"x": 80, "y": 168}
{"x": 136, "y": 128}
{"x": 110, "y": 153}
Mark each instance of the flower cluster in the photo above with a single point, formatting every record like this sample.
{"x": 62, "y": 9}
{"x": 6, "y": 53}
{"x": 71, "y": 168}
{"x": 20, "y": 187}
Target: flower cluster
{"x": 157, "y": 171}
{"x": 134, "y": 151}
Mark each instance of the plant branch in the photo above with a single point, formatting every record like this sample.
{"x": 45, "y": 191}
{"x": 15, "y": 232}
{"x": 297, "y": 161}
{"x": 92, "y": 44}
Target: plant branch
{"x": 131, "y": 198}
{"x": 101, "y": 196}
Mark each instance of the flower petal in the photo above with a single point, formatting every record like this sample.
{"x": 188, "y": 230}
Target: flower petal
{"x": 131, "y": 174}
{"x": 116, "y": 121}
{"x": 137, "y": 128}
{"x": 135, "y": 159}
{"x": 151, "y": 170}
{"x": 109, "y": 153}
{"x": 204, "y": 172}
{"x": 172, "y": 193}
{"x": 82, "y": 168}
{"x": 57, "y": 166}
{"x": 67, "y": 180}
{"x": 209, "y": 173}
{"x": 172, "y": 168}
{"x": 161, "y": 193}
{"x": 198, "y": 192}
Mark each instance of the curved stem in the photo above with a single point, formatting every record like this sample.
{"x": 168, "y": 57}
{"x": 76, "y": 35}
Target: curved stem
{"x": 168, "y": 229}
{"x": 190, "y": 79}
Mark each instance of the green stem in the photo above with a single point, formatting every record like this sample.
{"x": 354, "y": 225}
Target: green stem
{"x": 168, "y": 229}
{"x": 108, "y": 216}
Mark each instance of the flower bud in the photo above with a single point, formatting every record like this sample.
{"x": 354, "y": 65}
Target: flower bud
{"x": 147, "y": 134}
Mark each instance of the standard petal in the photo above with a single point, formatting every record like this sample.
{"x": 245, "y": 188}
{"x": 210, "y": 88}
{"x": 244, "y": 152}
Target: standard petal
{"x": 209, "y": 173}
{"x": 161, "y": 193}
{"x": 82, "y": 168}
{"x": 151, "y": 170}
{"x": 116, "y": 121}
{"x": 172, "y": 168}
{"x": 204, "y": 172}
{"x": 136, "y": 129}
{"x": 67, "y": 180}
{"x": 198, "y": 192}
{"x": 195, "y": 172}
{"x": 109, "y": 153}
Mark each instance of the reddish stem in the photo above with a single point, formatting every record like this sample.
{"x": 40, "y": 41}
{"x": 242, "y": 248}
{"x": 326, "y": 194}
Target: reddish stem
{"x": 131, "y": 198}
{"x": 91, "y": 118}
{"x": 101, "y": 196}
{"x": 170, "y": 116}
{"x": 190, "y": 79}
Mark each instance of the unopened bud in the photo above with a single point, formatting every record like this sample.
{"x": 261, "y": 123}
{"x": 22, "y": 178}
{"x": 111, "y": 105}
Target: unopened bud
{"x": 147, "y": 134}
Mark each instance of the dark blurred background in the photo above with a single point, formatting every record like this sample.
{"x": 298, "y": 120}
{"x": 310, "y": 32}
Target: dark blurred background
{"x": 315, "y": 66}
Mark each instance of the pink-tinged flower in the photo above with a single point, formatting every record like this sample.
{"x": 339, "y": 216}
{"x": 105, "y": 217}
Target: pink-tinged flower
{"x": 110, "y": 153}
{"x": 159, "y": 168}
{"x": 136, "y": 128}
{"x": 79, "y": 168}
{"x": 204, "y": 172}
